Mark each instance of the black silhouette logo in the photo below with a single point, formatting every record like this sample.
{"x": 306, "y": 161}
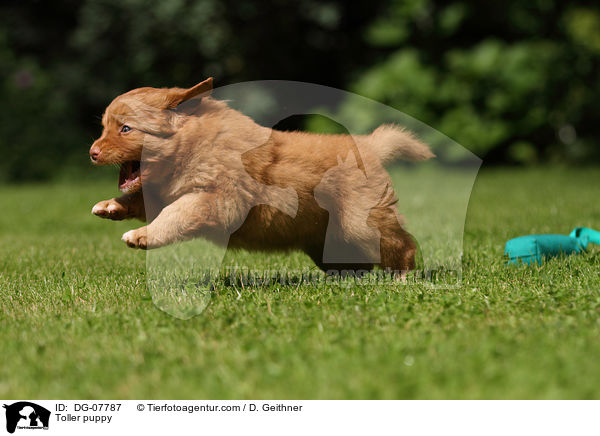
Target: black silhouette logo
{"x": 26, "y": 415}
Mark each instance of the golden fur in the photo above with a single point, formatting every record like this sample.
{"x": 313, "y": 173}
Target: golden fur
{"x": 210, "y": 171}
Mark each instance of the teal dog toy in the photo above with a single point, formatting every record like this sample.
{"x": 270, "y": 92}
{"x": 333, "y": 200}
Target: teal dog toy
{"x": 535, "y": 248}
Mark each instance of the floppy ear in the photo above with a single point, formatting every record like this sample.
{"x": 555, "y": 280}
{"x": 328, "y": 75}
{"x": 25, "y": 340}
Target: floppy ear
{"x": 176, "y": 96}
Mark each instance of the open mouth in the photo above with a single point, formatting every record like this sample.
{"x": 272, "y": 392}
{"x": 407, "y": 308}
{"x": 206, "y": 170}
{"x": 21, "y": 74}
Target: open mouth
{"x": 129, "y": 176}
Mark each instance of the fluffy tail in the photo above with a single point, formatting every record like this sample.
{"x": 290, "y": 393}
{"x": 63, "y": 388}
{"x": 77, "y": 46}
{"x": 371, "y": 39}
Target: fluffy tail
{"x": 390, "y": 142}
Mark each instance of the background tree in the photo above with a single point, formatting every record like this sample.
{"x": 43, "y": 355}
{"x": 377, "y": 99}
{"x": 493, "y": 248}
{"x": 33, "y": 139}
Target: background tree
{"x": 514, "y": 82}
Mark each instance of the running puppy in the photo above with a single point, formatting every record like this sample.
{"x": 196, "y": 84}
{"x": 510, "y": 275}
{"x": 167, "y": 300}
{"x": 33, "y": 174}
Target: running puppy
{"x": 209, "y": 171}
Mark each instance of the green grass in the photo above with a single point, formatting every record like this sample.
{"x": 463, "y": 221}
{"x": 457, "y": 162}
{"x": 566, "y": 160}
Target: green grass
{"x": 76, "y": 319}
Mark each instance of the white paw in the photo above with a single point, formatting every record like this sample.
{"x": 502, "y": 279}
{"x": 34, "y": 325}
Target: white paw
{"x": 99, "y": 210}
{"x": 136, "y": 238}
{"x": 109, "y": 209}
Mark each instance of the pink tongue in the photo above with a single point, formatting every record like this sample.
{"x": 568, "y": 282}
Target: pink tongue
{"x": 125, "y": 173}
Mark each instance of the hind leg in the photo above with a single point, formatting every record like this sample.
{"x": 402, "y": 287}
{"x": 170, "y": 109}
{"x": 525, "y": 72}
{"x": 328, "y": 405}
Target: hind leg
{"x": 397, "y": 247}
{"x": 398, "y": 250}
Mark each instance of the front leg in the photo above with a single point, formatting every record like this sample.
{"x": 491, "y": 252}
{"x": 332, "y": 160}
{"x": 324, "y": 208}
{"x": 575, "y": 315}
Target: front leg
{"x": 185, "y": 218}
{"x": 126, "y": 206}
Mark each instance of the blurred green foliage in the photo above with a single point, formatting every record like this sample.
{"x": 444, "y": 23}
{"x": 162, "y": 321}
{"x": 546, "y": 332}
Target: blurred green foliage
{"x": 511, "y": 81}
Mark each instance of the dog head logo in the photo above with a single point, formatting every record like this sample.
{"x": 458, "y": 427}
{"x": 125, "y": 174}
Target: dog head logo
{"x": 26, "y": 415}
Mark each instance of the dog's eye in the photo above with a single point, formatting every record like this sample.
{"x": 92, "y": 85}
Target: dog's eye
{"x": 125, "y": 129}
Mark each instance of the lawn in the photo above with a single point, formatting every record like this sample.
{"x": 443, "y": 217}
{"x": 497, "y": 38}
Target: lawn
{"x": 77, "y": 321}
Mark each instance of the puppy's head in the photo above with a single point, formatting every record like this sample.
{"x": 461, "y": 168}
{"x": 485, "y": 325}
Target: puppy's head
{"x": 139, "y": 117}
